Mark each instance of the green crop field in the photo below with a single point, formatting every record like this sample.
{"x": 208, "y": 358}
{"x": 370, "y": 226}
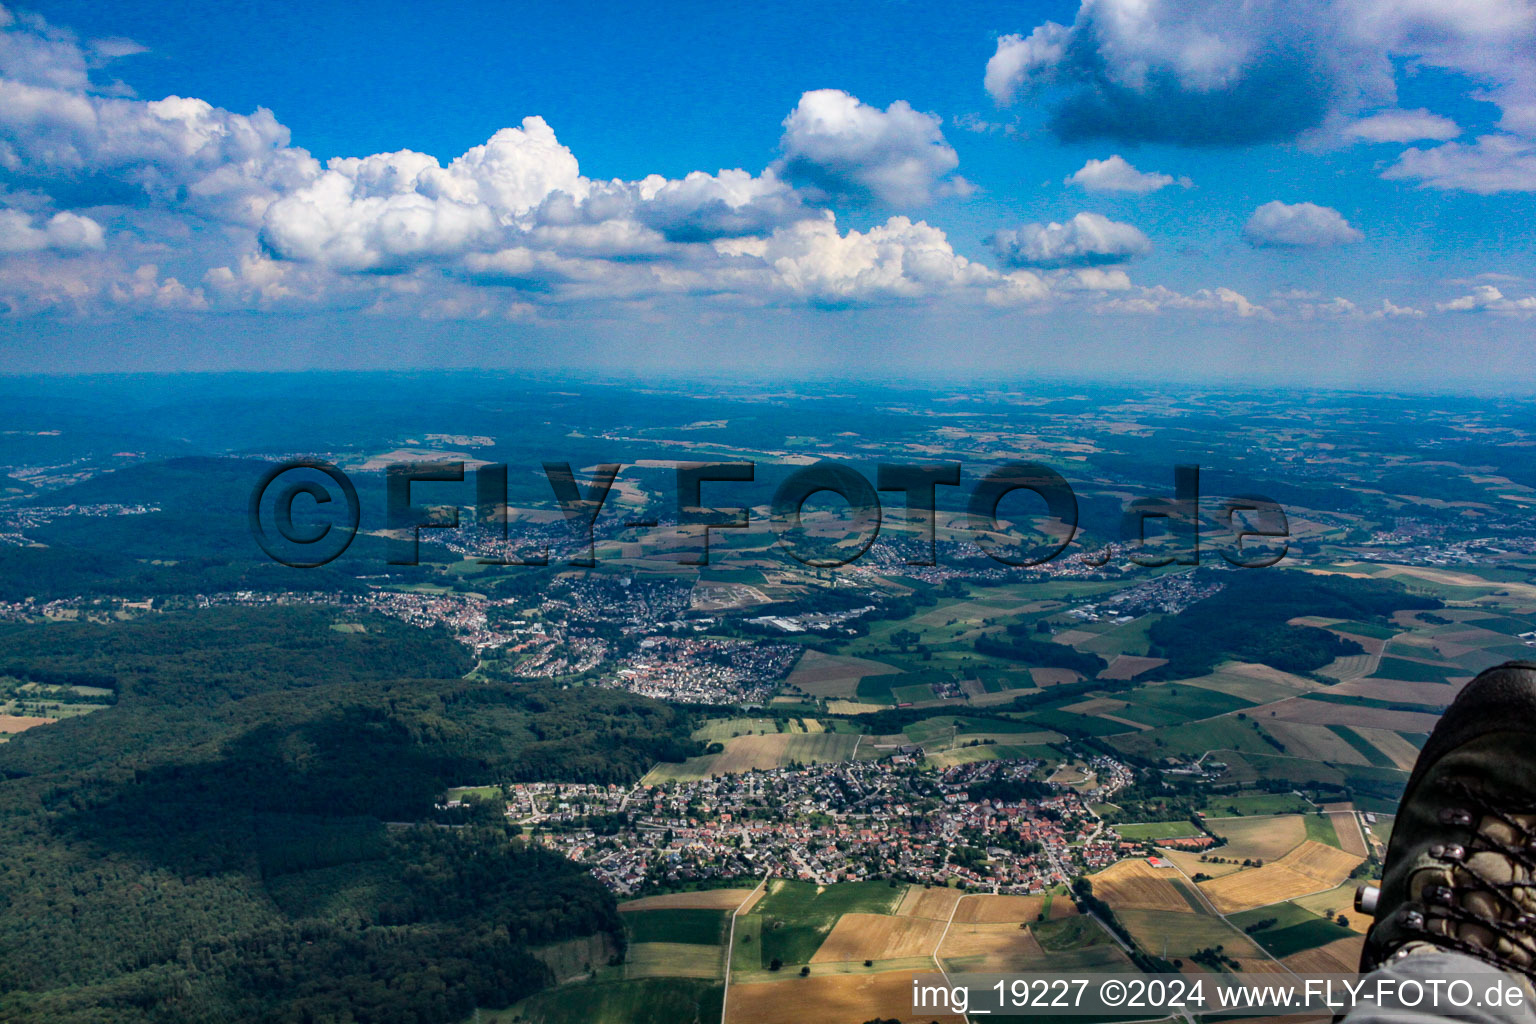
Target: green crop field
{"x": 1146, "y": 714}
{"x": 646, "y": 1001}
{"x": 1162, "y": 932}
{"x": 1195, "y": 738}
{"x": 914, "y": 693}
{"x": 795, "y": 917}
{"x": 1320, "y": 827}
{"x": 1158, "y": 830}
{"x": 1068, "y": 722}
{"x": 1412, "y": 671}
{"x": 1257, "y": 803}
{"x": 718, "y": 730}
{"x": 1188, "y": 701}
{"x": 1283, "y": 941}
{"x": 1370, "y": 629}
{"x": 688, "y": 925}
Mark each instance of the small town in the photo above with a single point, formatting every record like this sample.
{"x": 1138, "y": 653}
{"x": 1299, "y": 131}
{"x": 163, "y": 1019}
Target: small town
{"x": 836, "y": 822}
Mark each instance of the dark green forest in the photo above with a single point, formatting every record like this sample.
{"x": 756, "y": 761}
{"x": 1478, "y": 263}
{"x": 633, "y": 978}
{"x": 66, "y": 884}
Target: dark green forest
{"x": 1017, "y": 645}
{"x": 1247, "y": 620}
{"x": 250, "y": 832}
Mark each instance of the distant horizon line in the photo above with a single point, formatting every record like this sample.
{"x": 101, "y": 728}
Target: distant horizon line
{"x": 890, "y": 380}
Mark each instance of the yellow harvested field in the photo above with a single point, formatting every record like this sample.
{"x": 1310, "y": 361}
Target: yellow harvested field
{"x": 1255, "y": 670}
{"x": 852, "y": 707}
{"x": 1403, "y": 693}
{"x": 1308, "y": 868}
{"x": 1014, "y": 910}
{"x": 879, "y": 937}
{"x": 1097, "y": 706}
{"x": 1236, "y": 681}
{"x": 1137, "y": 885}
{"x": 709, "y": 899}
{"x": 1317, "y": 712}
{"x": 1347, "y": 826}
{"x": 1314, "y": 742}
{"x": 833, "y": 998}
{"x": 1005, "y": 909}
{"x": 1339, "y": 957}
{"x": 1402, "y": 753}
{"x": 991, "y": 948}
{"x": 1321, "y": 862}
{"x": 936, "y": 903}
{"x": 751, "y": 901}
{"x": 21, "y": 723}
{"x": 1191, "y": 864}
{"x": 1264, "y": 838}
{"x": 673, "y": 960}
{"x": 1339, "y": 901}
{"x": 758, "y": 753}
{"x": 1129, "y": 666}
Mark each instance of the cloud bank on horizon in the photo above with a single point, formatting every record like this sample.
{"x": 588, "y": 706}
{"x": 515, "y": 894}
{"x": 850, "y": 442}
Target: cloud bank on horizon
{"x": 117, "y": 205}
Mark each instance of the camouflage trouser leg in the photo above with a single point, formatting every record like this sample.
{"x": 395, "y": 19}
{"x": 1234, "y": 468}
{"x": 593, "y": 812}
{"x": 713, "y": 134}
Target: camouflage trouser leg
{"x": 1427, "y": 967}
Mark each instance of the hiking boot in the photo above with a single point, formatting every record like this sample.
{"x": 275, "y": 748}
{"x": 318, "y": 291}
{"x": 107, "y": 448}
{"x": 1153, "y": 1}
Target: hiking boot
{"x": 1460, "y": 870}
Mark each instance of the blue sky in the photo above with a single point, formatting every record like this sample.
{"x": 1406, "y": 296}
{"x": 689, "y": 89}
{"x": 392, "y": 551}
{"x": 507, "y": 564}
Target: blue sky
{"x": 1287, "y": 192}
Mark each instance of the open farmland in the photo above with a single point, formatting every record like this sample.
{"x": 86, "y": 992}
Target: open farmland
{"x": 859, "y": 937}
{"x": 832, "y": 675}
{"x": 840, "y": 998}
{"x": 1137, "y": 885}
{"x": 21, "y": 723}
{"x": 757, "y": 752}
{"x": 1258, "y": 838}
{"x": 983, "y": 909}
{"x": 1347, "y": 827}
{"x": 990, "y": 948}
{"x": 649, "y": 1001}
{"x": 1320, "y": 712}
{"x": 1308, "y": 868}
{"x": 1314, "y": 742}
{"x": 1158, "y": 830}
{"x": 1179, "y": 935}
{"x": 673, "y": 960}
{"x": 1393, "y": 746}
{"x": 935, "y": 903}
{"x": 1340, "y": 901}
{"x": 1341, "y": 956}
{"x": 693, "y": 925}
{"x": 795, "y": 918}
{"x": 704, "y": 899}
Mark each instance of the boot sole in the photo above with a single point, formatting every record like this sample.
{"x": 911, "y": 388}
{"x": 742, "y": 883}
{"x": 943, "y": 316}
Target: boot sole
{"x": 1500, "y": 699}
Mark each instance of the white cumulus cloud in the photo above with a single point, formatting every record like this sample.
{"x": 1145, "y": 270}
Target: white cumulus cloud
{"x": 63, "y": 232}
{"x": 1298, "y": 226}
{"x": 1403, "y": 126}
{"x": 839, "y": 148}
{"x": 1117, "y": 175}
{"x": 1494, "y": 163}
{"x": 1088, "y": 239}
{"x": 1485, "y": 298}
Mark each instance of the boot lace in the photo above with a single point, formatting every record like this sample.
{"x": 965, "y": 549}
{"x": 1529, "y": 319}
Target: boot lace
{"x": 1449, "y": 900}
